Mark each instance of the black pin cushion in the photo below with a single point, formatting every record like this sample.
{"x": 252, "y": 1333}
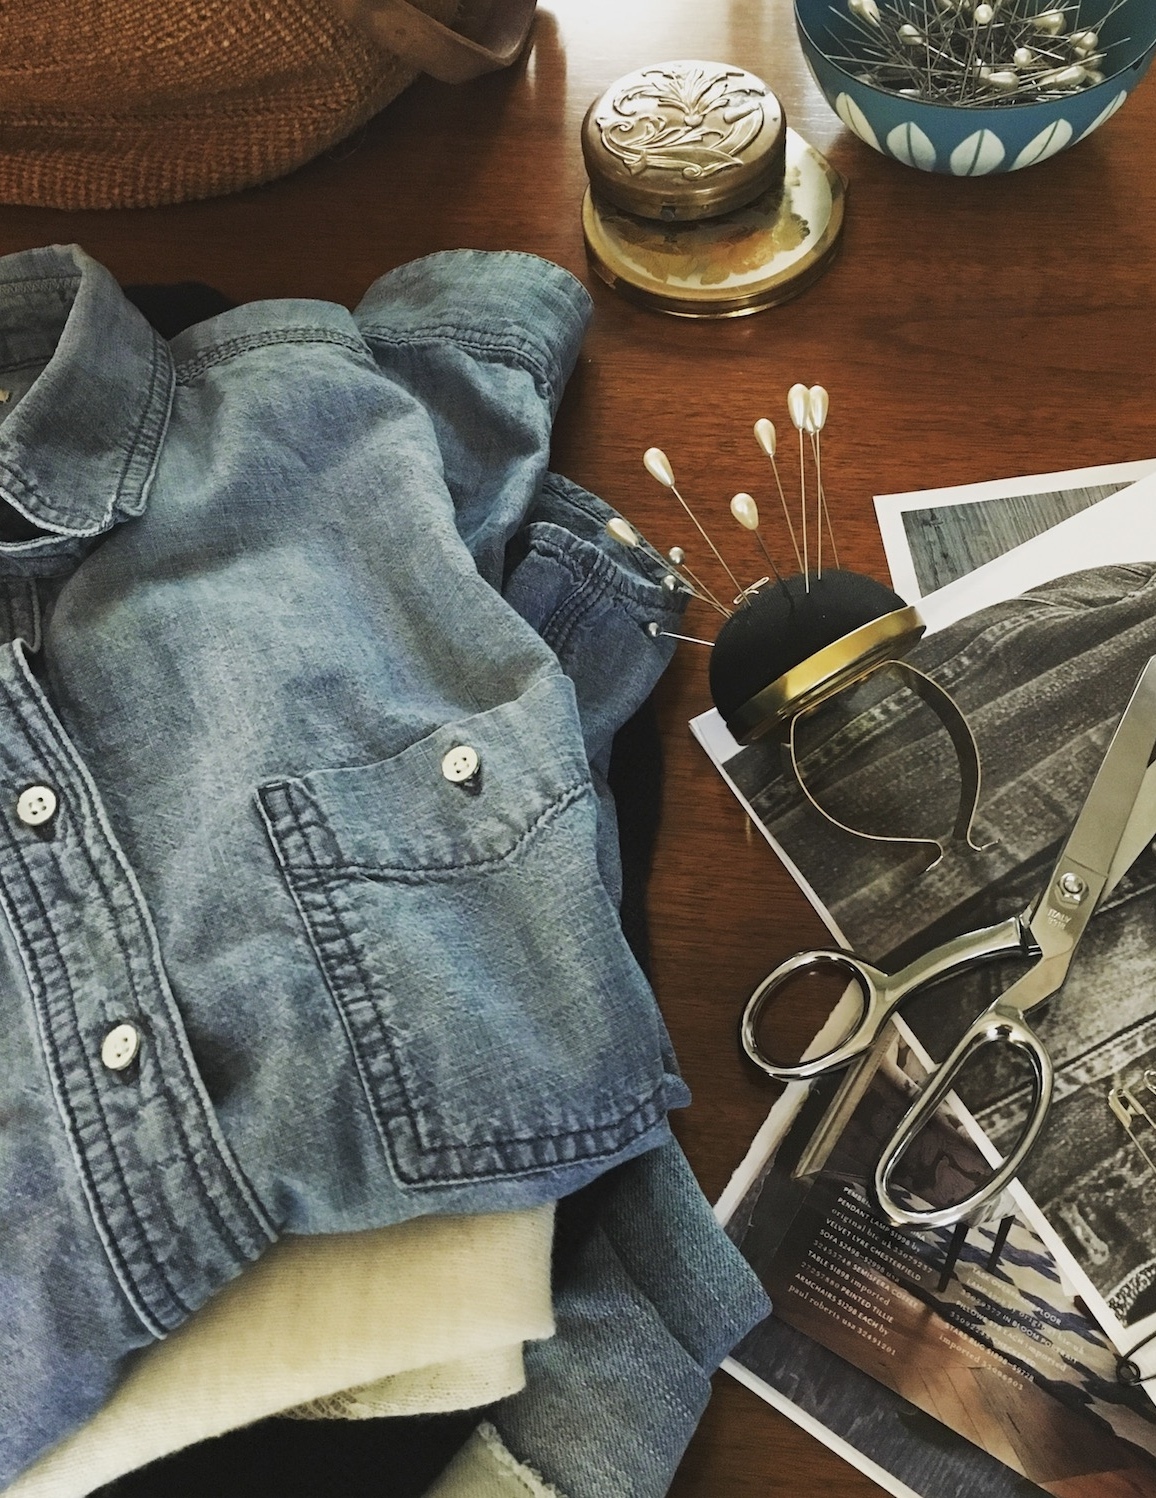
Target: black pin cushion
{"x": 795, "y": 643}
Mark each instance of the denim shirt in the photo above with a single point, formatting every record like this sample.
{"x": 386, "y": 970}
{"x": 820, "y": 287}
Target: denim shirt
{"x": 275, "y": 956}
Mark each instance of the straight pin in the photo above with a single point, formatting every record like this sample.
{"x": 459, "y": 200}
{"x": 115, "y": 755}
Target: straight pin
{"x": 678, "y": 559}
{"x": 746, "y": 512}
{"x": 765, "y": 437}
{"x": 655, "y": 631}
{"x": 658, "y": 466}
{"x": 819, "y": 403}
{"x": 799, "y": 410}
{"x": 623, "y": 532}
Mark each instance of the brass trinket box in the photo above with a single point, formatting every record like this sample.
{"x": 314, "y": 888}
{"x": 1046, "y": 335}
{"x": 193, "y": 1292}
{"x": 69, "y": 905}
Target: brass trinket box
{"x": 702, "y": 201}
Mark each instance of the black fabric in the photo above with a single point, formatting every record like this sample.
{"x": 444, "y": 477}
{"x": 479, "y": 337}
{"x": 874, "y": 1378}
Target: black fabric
{"x": 635, "y": 779}
{"x": 172, "y": 309}
{"x": 280, "y": 1458}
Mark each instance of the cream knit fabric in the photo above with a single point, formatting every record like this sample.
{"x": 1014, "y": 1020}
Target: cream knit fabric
{"x": 484, "y": 1468}
{"x": 437, "y": 1308}
{"x": 464, "y": 1384}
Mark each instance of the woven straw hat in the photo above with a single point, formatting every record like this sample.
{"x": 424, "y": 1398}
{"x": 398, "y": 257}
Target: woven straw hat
{"x": 132, "y": 103}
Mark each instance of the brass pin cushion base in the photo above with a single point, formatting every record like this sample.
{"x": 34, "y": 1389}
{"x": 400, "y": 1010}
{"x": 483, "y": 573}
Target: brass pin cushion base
{"x": 825, "y": 672}
{"x": 945, "y": 708}
{"x": 763, "y": 632}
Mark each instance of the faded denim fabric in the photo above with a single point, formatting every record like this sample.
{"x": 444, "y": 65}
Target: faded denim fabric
{"x": 650, "y": 1296}
{"x": 250, "y": 598}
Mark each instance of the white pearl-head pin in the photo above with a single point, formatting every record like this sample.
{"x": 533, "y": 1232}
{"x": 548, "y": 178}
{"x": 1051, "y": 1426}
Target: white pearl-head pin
{"x": 658, "y": 466}
{"x": 676, "y": 556}
{"x": 799, "y": 406}
{"x": 765, "y": 435}
{"x": 984, "y": 15}
{"x": 1069, "y": 77}
{"x": 745, "y": 511}
{"x": 818, "y": 404}
{"x": 622, "y": 531}
{"x": 866, "y": 10}
{"x": 1050, "y": 22}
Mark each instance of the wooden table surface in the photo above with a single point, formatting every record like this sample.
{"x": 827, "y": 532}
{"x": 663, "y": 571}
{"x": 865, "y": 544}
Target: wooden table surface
{"x": 969, "y": 329}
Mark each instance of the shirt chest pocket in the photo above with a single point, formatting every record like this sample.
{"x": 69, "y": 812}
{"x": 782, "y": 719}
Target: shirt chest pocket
{"x": 451, "y": 896}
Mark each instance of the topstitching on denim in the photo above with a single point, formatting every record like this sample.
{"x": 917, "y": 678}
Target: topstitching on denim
{"x": 358, "y": 990}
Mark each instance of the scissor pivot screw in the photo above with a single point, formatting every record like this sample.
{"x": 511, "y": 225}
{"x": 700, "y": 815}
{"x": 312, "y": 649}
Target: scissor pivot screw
{"x": 1128, "y": 1371}
{"x": 1072, "y": 888}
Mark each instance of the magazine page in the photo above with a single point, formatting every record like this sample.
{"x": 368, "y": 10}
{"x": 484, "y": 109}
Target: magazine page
{"x": 939, "y": 1363}
{"x": 934, "y": 537}
{"x": 1042, "y": 680}
{"x": 1117, "y": 528}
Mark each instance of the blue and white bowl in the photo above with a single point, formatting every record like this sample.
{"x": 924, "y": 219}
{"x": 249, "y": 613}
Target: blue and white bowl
{"x": 973, "y": 141}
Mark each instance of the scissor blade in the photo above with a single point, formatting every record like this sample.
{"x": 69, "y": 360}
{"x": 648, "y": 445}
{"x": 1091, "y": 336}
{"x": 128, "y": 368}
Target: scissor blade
{"x": 1106, "y": 816}
{"x": 1140, "y": 831}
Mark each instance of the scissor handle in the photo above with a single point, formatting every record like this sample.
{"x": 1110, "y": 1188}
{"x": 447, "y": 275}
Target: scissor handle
{"x": 878, "y": 1000}
{"x": 997, "y": 1025}
{"x": 881, "y": 992}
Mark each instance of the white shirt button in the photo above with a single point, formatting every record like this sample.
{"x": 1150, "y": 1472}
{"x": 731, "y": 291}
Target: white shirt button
{"x": 120, "y": 1046}
{"x": 460, "y": 764}
{"x": 36, "y": 805}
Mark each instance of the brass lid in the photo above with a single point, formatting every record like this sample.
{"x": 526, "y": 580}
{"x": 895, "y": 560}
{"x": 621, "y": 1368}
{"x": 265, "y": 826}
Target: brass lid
{"x": 753, "y": 257}
{"x": 680, "y": 141}
{"x": 828, "y": 671}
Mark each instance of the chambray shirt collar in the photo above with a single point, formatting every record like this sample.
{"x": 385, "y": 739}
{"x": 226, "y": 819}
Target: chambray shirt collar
{"x": 78, "y": 453}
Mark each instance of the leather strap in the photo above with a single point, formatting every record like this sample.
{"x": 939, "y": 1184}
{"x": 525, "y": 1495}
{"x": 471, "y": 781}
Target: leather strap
{"x": 489, "y": 34}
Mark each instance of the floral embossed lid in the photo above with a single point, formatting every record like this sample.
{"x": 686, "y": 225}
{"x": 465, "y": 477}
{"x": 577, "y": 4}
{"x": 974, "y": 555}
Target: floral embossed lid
{"x": 679, "y": 141}
{"x": 702, "y": 202}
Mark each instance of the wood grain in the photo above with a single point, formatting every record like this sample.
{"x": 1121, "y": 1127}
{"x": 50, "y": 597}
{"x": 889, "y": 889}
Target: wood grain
{"x": 969, "y": 329}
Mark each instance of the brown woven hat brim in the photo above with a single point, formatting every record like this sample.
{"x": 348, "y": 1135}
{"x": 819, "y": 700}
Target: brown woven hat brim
{"x": 127, "y": 103}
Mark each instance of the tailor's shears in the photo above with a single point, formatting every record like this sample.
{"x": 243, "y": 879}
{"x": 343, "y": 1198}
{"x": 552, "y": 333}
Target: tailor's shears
{"x": 1116, "y": 821}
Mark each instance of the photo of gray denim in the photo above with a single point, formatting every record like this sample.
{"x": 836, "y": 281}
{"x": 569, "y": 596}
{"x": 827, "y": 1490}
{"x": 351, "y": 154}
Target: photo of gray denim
{"x": 1042, "y": 680}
